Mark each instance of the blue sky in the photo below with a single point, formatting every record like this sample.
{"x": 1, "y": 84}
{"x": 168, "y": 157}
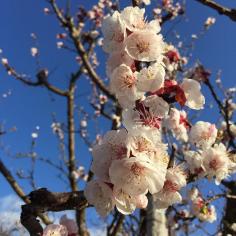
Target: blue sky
{"x": 27, "y": 107}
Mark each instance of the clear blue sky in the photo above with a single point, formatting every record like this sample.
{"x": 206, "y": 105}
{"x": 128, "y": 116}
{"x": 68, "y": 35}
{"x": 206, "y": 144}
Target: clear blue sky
{"x": 27, "y": 107}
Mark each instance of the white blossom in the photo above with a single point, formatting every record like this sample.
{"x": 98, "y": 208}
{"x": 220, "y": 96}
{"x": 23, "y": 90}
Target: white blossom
{"x": 34, "y": 51}
{"x": 178, "y": 124}
{"x": 193, "y": 194}
{"x": 192, "y": 91}
{"x": 123, "y": 85}
{"x": 83, "y": 123}
{"x": 130, "y": 162}
{"x": 203, "y": 134}
{"x": 151, "y": 79}
{"x": 175, "y": 180}
{"x": 112, "y": 147}
{"x": 145, "y": 46}
{"x": 70, "y": 225}
{"x": 113, "y": 30}
{"x": 209, "y": 22}
{"x": 137, "y": 175}
{"x": 143, "y": 140}
{"x": 133, "y": 18}
{"x": 46, "y": 11}
{"x": 4, "y": 61}
{"x": 60, "y": 44}
{"x": 202, "y": 211}
{"x": 55, "y": 230}
{"x": 100, "y": 195}
{"x": 233, "y": 227}
{"x": 232, "y": 127}
{"x": 158, "y": 107}
{"x": 117, "y": 58}
{"x": 147, "y": 2}
{"x": 126, "y": 204}
{"x": 216, "y": 162}
{"x": 195, "y": 162}
{"x": 34, "y": 135}
{"x": 139, "y": 118}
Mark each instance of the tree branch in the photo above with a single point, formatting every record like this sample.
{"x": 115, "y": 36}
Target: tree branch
{"x": 223, "y": 110}
{"x": 42, "y": 201}
{"x": 18, "y": 190}
{"x": 67, "y": 22}
{"x": 41, "y": 80}
{"x": 231, "y": 13}
{"x": 136, "y": 3}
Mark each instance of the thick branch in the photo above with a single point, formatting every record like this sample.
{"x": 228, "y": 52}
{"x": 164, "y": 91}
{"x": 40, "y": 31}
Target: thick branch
{"x": 231, "y": 13}
{"x": 43, "y": 201}
{"x": 55, "y": 89}
{"x": 18, "y": 190}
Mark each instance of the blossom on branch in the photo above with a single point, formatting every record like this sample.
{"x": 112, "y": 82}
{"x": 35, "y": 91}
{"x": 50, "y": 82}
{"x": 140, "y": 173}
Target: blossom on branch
{"x": 203, "y": 134}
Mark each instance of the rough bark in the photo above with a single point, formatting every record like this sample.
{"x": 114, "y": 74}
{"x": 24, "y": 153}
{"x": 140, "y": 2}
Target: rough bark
{"x": 42, "y": 200}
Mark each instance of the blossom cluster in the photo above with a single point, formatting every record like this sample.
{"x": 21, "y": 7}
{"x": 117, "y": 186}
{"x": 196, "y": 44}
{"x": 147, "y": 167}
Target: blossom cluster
{"x": 132, "y": 161}
{"x": 66, "y": 227}
{"x": 210, "y": 159}
{"x": 202, "y": 209}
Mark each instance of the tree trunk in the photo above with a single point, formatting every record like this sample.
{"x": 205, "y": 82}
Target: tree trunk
{"x": 230, "y": 210}
{"x": 156, "y": 220}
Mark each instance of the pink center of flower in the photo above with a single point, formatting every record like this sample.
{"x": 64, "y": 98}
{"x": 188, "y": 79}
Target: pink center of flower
{"x": 200, "y": 203}
{"x": 214, "y": 164}
{"x": 120, "y": 151}
{"x": 142, "y": 144}
{"x": 208, "y": 133}
{"x": 118, "y": 37}
{"x": 137, "y": 170}
{"x": 146, "y": 118}
{"x": 183, "y": 120}
{"x": 129, "y": 81}
{"x": 198, "y": 170}
{"x": 152, "y": 122}
{"x": 140, "y": 24}
{"x": 143, "y": 46}
{"x": 173, "y": 56}
{"x": 170, "y": 186}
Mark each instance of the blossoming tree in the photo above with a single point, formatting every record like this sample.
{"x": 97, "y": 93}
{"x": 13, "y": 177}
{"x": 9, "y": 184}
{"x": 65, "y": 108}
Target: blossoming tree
{"x": 146, "y": 172}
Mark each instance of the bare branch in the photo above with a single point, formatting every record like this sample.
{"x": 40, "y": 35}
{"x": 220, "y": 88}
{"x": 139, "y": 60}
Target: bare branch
{"x": 223, "y": 110}
{"x": 74, "y": 34}
{"x": 41, "y": 80}
{"x": 11, "y": 71}
{"x": 231, "y": 13}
